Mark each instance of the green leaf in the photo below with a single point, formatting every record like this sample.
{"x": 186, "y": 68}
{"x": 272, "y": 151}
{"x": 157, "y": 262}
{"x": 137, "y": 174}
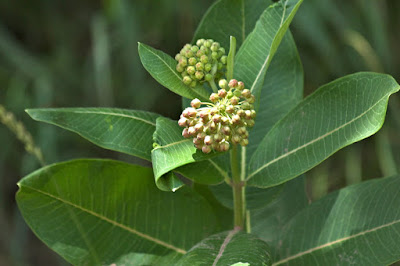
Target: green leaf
{"x": 172, "y": 151}
{"x": 126, "y": 131}
{"x": 256, "y": 198}
{"x": 358, "y": 225}
{"x": 92, "y": 212}
{"x": 162, "y": 68}
{"x": 139, "y": 259}
{"x": 257, "y": 51}
{"x": 230, "y": 18}
{"x": 268, "y": 223}
{"x": 336, "y": 115}
{"x": 228, "y": 248}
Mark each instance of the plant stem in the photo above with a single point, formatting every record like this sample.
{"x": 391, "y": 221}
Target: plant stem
{"x": 213, "y": 86}
{"x": 238, "y": 188}
{"x": 231, "y": 58}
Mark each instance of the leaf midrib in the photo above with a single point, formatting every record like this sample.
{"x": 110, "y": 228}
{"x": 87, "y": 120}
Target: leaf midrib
{"x": 334, "y": 242}
{"x": 114, "y": 223}
{"x": 315, "y": 140}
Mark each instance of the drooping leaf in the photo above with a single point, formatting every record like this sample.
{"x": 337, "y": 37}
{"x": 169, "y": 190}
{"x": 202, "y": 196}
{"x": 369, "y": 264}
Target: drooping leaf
{"x": 172, "y": 151}
{"x": 257, "y": 51}
{"x": 95, "y": 211}
{"x": 162, "y": 68}
{"x": 127, "y": 131}
{"x": 357, "y": 225}
{"x": 228, "y": 248}
{"x": 267, "y": 223}
{"x": 230, "y": 18}
{"x": 336, "y": 115}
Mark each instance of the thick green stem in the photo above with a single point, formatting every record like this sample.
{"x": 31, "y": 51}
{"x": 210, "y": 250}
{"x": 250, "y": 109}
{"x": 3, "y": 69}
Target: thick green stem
{"x": 213, "y": 86}
{"x": 238, "y": 188}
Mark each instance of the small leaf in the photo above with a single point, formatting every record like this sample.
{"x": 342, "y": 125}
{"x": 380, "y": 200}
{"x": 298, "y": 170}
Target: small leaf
{"x": 92, "y": 212}
{"x": 126, "y": 131}
{"x": 357, "y": 225}
{"x": 257, "y": 51}
{"x": 228, "y": 248}
{"x": 174, "y": 151}
{"x": 162, "y": 68}
{"x": 336, "y": 115}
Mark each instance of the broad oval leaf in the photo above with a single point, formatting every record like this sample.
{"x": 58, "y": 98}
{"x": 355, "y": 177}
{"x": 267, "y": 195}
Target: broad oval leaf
{"x": 230, "y": 18}
{"x": 172, "y": 151}
{"x": 162, "y": 68}
{"x": 126, "y": 131}
{"x": 92, "y": 212}
{"x": 336, "y": 115}
{"x": 357, "y": 225}
{"x": 228, "y": 248}
{"x": 257, "y": 51}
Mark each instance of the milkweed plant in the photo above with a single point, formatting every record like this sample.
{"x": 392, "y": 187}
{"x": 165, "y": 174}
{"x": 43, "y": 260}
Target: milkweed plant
{"x": 226, "y": 185}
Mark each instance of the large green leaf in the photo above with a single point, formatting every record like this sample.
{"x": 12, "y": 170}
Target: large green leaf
{"x": 92, "y": 212}
{"x": 257, "y": 51}
{"x": 172, "y": 151}
{"x": 126, "y": 131}
{"x": 336, "y": 115}
{"x": 162, "y": 68}
{"x": 230, "y": 18}
{"x": 268, "y": 223}
{"x": 228, "y": 248}
{"x": 358, "y": 225}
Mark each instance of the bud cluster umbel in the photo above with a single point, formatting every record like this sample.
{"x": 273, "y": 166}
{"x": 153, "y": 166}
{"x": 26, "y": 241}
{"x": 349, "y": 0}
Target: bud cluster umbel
{"x": 224, "y": 120}
{"x": 202, "y": 62}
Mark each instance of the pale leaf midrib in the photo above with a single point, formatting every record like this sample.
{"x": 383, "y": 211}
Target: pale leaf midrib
{"x": 315, "y": 140}
{"x": 227, "y": 239}
{"x": 335, "y": 242}
{"x": 122, "y": 226}
{"x": 171, "y": 144}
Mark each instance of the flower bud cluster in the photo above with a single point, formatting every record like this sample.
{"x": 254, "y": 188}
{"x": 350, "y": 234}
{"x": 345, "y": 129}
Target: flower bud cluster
{"x": 204, "y": 61}
{"x": 214, "y": 125}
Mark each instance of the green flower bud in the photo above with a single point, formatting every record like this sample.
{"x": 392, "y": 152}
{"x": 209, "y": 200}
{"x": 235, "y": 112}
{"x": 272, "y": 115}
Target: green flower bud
{"x": 215, "y": 47}
{"x": 224, "y": 59}
{"x": 189, "y": 53}
{"x": 199, "y": 75}
{"x": 224, "y": 120}
{"x": 208, "y": 67}
{"x": 208, "y": 77}
{"x": 200, "y": 53}
{"x": 192, "y": 61}
{"x": 208, "y": 43}
{"x": 200, "y": 42}
{"x": 237, "y": 93}
{"x": 234, "y": 100}
{"x": 183, "y": 62}
{"x": 204, "y": 59}
{"x": 193, "y": 84}
{"x": 244, "y": 142}
{"x": 253, "y": 114}
{"x": 179, "y": 68}
{"x": 246, "y": 93}
{"x": 214, "y": 97}
{"x": 230, "y": 109}
{"x": 222, "y": 50}
{"x": 250, "y": 123}
{"x": 223, "y": 83}
{"x": 240, "y": 85}
{"x": 195, "y": 103}
{"x": 187, "y": 80}
{"x": 229, "y": 94}
{"x": 178, "y": 57}
{"x": 241, "y": 130}
{"x": 248, "y": 114}
{"x": 191, "y": 70}
{"x": 220, "y": 66}
{"x": 214, "y": 55}
{"x": 194, "y": 49}
{"x": 236, "y": 139}
{"x": 200, "y": 66}
{"x": 251, "y": 99}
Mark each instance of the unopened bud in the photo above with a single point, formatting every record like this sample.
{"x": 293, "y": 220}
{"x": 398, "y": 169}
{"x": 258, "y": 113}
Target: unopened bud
{"x": 230, "y": 109}
{"x": 191, "y": 131}
{"x": 240, "y": 85}
{"x": 240, "y": 113}
{"x": 201, "y": 135}
{"x": 233, "y": 83}
{"x": 182, "y": 122}
{"x": 214, "y": 55}
{"x": 213, "y": 126}
{"x": 250, "y": 123}
{"x": 224, "y": 146}
{"x": 235, "y": 119}
{"x": 246, "y": 93}
{"x": 185, "y": 133}
{"x": 206, "y": 149}
{"x": 179, "y": 68}
{"x": 191, "y": 70}
{"x": 208, "y": 67}
{"x": 222, "y": 93}
{"x": 226, "y": 130}
{"x": 208, "y": 140}
{"x": 234, "y": 100}
{"x": 199, "y": 127}
{"x": 223, "y": 83}
{"x": 216, "y": 118}
{"x": 191, "y": 112}
{"x": 218, "y": 137}
{"x": 214, "y": 97}
{"x": 208, "y": 43}
{"x": 199, "y": 75}
{"x": 235, "y": 139}
{"x": 244, "y": 142}
{"x": 208, "y": 77}
{"x": 224, "y": 59}
{"x": 215, "y": 47}
{"x": 199, "y": 66}
{"x": 194, "y": 48}
{"x": 224, "y": 120}
{"x": 241, "y": 130}
{"x": 195, "y": 103}
{"x": 253, "y": 114}
{"x": 200, "y": 42}
{"x": 204, "y": 59}
{"x": 193, "y": 84}
{"x": 187, "y": 80}
{"x": 252, "y": 99}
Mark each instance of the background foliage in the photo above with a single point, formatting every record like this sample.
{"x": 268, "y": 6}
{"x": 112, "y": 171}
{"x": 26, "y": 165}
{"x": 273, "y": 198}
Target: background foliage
{"x": 84, "y": 53}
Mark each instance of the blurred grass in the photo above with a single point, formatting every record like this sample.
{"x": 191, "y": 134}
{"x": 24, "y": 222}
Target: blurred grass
{"x": 84, "y": 53}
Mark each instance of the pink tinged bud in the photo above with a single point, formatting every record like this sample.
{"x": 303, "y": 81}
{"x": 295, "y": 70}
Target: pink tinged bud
{"x": 230, "y": 109}
{"x": 213, "y": 111}
{"x": 185, "y": 133}
{"x": 183, "y": 62}
{"x": 183, "y": 122}
{"x": 191, "y": 112}
{"x": 205, "y": 117}
{"x": 185, "y": 113}
{"x": 222, "y": 93}
{"x": 233, "y": 83}
{"x": 244, "y": 142}
{"x": 214, "y": 97}
{"x": 234, "y": 100}
{"x": 191, "y": 131}
{"x": 216, "y": 118}
{"x": 208, "y": 140}
{"x": 250, "y": 123}
{"x": 240, "y": 113}
{"x": 201, "y": 135}
{"x": 235, "y": 119}
{"x": 206, "y": 149}
{"x": 240, "y": 85}
{"x": 223, "y": 84}
{"x": 246, "y": 93}
{"x": 224, "y": 120}
{"x": 226, "y": 130}
{"x": 198, "y": 127}
{"x": 224, "y": 146}
{"x": 235, "y": 139}
{"x": 197, "y": 141}
{"x": 195, "y": 103}
{"x": 218, "y": 137}
{"x": 248, "y": 114}
{"x": 213, "y": 126}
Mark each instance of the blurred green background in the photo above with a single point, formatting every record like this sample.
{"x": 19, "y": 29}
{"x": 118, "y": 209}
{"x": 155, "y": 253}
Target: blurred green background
{"x": 84, "y": 53}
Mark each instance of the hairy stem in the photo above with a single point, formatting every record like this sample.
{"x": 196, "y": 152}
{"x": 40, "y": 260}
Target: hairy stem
{"x": 238, "y": 188}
